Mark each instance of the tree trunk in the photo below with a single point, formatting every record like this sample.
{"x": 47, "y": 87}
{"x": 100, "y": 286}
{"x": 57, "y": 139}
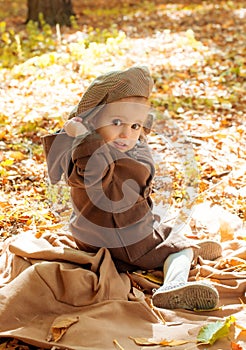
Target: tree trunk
{"x": 54, "y": 11}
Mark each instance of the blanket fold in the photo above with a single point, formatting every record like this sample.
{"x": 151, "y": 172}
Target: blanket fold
{"x": 54, "y": 295}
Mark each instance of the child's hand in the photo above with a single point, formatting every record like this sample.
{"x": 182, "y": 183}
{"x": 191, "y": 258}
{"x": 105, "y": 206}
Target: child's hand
{"x": 74, "y": 127}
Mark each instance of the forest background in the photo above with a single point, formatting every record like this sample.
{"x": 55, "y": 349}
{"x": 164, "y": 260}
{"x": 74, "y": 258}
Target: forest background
{"x": 196, "y": 53}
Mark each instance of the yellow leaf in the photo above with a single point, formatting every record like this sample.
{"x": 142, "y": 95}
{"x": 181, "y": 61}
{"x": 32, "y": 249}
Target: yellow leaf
{"x": 232, "y": 264}
{"x": 16, "y": 155}
{"x": 165, "y": 87}
{"x": 211, "y": 332}
{"x": 50, "y": 227}
{"x": 226, "y": 231}
{"x": 2, "y": 136}
{"x": 6, "y": 163}
{"x": 38, "y": 234}
{"x": 148, "y": 276}
{"x": 4, "y": 204}
{"x": 60, "y": 327}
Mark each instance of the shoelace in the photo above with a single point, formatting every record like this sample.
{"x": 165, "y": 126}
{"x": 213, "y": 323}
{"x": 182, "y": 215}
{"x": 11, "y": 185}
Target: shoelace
{"x": 169, "y": 286}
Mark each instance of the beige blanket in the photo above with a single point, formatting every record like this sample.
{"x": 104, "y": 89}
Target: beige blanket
{"x": 53, "y": 295}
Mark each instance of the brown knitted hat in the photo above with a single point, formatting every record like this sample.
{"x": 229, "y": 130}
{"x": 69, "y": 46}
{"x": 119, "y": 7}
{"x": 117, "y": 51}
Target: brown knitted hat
{"x": 113, "y": 86}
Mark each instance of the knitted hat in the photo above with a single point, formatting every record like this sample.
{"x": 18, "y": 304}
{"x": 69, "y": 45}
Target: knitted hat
{"x": 113, "y": 86}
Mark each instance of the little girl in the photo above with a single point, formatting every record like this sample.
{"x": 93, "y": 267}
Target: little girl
{"x": 109, "y": 169}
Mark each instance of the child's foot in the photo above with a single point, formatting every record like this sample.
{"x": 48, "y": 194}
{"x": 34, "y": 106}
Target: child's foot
{"x": 191, "y": 295}
{"x": 209, "y": 250}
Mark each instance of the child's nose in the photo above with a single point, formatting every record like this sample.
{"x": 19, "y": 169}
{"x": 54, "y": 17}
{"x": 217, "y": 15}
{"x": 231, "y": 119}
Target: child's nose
{"x": 125, "y": 131}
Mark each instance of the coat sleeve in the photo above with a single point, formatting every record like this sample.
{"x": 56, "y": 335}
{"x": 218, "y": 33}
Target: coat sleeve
{"x": 57, "y": 151}
{"x": 142, "y": 153}
{"x": 92, "y": 163}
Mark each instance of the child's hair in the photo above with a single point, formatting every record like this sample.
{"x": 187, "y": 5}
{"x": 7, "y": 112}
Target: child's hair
{"x": 113, "y": 86}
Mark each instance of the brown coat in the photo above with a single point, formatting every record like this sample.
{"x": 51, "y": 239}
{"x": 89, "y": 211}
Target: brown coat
{"x": 110, "y": 193}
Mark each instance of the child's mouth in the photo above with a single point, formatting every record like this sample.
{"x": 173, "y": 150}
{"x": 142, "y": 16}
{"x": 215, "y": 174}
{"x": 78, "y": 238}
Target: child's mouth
{"x": 120, "y": 145}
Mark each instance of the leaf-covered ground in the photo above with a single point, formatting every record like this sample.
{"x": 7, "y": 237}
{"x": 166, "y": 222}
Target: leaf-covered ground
{"x": 196, "y": 53}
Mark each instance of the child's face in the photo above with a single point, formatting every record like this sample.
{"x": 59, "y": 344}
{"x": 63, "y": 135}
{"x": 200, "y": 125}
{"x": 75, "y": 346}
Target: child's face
{"x": 120, "y": 123}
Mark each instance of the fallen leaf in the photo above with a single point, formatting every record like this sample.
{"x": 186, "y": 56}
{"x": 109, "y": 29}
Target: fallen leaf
{"x": 226, "y": 231}
{"x": 174, "y": 342}
{"x": 17, "y": 155}
{"x": 60, "y": 327}
{"x": 150, "y": 277}
{"x": 163, "y": 342}
{"x": 236, "y": 346}
{"x": 213, "y": 331}
{"x": 232, "y": 264}
{"x": 240, "y": 329}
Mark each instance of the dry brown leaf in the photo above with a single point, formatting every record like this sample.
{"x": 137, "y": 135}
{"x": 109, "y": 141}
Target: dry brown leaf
{"x": 174, "y": 342}
{"x": 163, "y": 342}
{"x": 150, "y": 277}
{"x": 60, "y": 327}
{"x": 240, "y": 329}
{"x": 143, "y": 341}
{"x": 235, "y": 346}
{"x": 50, "y": 227}
{"x": 232, "y": 264}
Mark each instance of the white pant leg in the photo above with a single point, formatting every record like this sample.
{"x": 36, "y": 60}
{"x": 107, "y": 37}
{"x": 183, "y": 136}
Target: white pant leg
{"x": 177, "y": 266}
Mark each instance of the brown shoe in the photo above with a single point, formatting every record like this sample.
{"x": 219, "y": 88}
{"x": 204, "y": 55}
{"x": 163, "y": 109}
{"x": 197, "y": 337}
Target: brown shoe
{"x": 197, "y": 295}
{"x": 208, "y": 250}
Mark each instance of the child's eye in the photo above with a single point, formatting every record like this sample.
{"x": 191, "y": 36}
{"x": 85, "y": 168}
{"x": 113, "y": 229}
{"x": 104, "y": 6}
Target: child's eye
{"x": 136, "y": 126}
{"x": 116, "y": 122}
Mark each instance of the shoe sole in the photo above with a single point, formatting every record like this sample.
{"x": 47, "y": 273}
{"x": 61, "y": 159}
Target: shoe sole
{"x": 209, "y": 250}
{"x": 193, "y": 296}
